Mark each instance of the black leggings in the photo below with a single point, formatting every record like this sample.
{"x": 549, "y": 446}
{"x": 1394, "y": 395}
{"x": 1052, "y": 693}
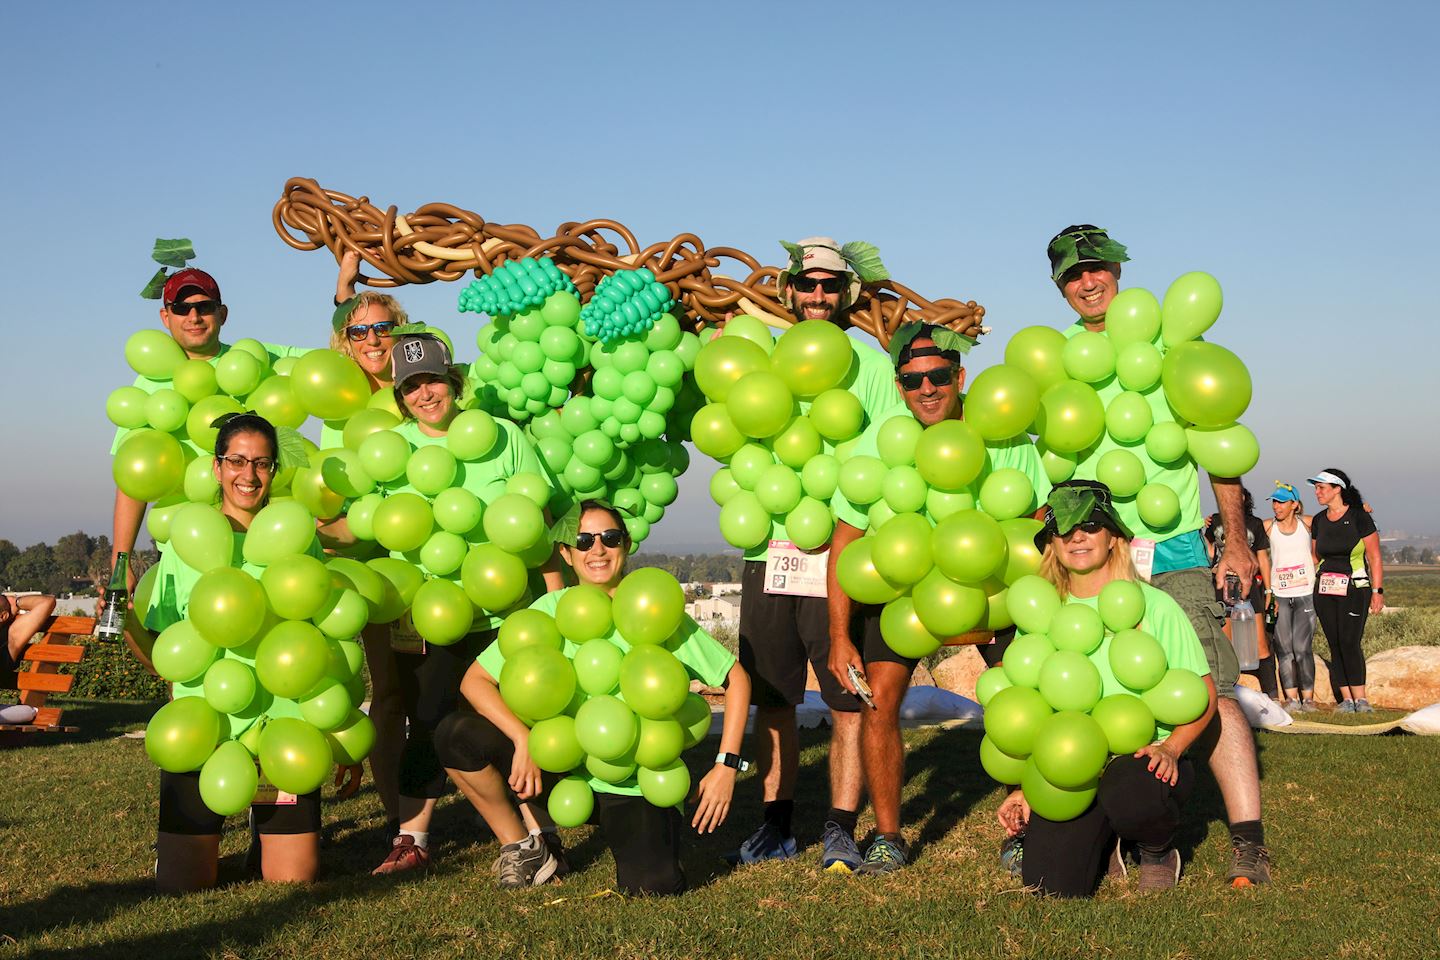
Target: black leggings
{"x": 644, "y": 838}
{"x": 1068, "y": 858}
{"x": 430, "y": 688}
{"x": 1343, "y": 620}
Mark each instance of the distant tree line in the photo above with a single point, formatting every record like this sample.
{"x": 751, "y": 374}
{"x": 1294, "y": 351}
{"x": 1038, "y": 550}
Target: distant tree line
{"x": 75, "y": 556}
{"x": 1406, "y": 554}
{"x": 702, "y": 568}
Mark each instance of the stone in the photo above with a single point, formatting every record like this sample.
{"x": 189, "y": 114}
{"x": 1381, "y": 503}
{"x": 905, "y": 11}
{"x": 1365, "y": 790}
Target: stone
{"x": 1403, "y": 678}
{"x": 921, "y": 677}
{"x": 957, "y": 672}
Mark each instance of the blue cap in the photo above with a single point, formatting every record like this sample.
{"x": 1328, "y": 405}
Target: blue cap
{"x": 1284, "y": 493}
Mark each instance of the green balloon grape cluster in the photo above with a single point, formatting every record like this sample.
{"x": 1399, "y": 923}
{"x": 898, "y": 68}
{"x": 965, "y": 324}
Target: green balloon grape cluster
{"x": 515, "y": 286}
{"x": 617, "y": 714}
{"x": 529, "y": 360}
{"x": 626, "y": 304}
{"x": 1048, "y": 725}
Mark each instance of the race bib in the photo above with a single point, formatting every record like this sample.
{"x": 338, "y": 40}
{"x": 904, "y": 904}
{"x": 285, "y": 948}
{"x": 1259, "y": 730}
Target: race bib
{"x": 270, "y": 795}
{"x": 1295, "y": 577}
{"x": 795, "y": 572}
{"x": 404, "y": 638}
{"x": 1142, "y": 554}
{"x": 1334, "y": 584}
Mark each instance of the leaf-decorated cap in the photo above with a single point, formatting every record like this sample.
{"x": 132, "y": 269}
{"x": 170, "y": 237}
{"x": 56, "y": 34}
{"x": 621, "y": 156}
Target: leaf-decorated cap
{"x": 948, "y": 344}
{"x": 1074, "y": 502}
{"x": 857, "y": 258}
{"x": 170, "y": 287}
{"x": 1082, "y": 243}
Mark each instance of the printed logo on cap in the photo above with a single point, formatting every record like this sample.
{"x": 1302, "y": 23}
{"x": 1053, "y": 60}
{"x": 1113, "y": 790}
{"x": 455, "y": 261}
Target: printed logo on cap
{"x": 414, "y": 351}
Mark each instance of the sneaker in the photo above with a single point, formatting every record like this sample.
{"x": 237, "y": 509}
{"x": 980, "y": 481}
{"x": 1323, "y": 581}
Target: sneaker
{"x": 1012, "y": 855}
{"x": 1164, "y": 875}
{"x": 1363, "y": 706}
{"x": 1345, "y": 706}
{"x": 1115, "y": 869}
{"x": 1293, "y": 706}
{"x": 525, "y": 863}
{"x": 556, "y": 846}
{"x": 1308, "y": 706}
{"x": 840, "y": 854}
{"x": 884, "y": 856}
{"x": 1251, "y": 864}
{"x": 766, "y": 843}
{"x": 404, "y": 855}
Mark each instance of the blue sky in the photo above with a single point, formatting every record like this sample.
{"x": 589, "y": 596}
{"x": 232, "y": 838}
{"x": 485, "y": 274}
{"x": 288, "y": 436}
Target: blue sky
{"x": 1286, "y": 148}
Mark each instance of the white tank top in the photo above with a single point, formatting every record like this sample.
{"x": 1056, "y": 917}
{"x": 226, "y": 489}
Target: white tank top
{"x": 1292, "y": 566}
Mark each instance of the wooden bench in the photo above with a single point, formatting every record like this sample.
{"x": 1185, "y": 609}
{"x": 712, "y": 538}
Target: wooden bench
{"x": 39, "y": 673}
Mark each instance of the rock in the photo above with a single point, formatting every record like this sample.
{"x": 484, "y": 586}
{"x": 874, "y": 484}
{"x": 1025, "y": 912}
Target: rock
{"x": 1323, "y": 693}
{"x": 957, "y": 672}
{"x": 921, "y": 677}
{"x": 811, "y": 682}
{"x": 1403, "y": 678}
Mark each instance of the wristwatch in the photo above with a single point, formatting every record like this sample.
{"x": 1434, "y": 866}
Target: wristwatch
{"x": 1380, "y": 590}
{"x": 732, "y": 760}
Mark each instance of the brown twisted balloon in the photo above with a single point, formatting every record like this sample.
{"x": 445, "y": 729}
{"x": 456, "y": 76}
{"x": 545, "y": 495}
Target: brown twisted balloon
{"x": 443, "y": 242}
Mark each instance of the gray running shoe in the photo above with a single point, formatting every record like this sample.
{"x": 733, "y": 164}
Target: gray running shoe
{"x": 1012, "y": 855}
{"x": 1155, "y": 877}
{"x": 884, "y": 856}
{"x": 1345, "y": 706}
{"x": 527, "y": 863}
{"x": 1308, "y": 706}
{"x": 840, "y": 854}
{"x": 1251, "y": 864}
{"x": 1293, "y": 706}
{"x": 1363, "y": 706}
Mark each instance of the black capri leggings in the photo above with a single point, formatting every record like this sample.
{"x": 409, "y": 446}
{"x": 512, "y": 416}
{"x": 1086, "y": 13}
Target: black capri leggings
{"x": 183, "y": 811}
{"x": 430, "y": 689}
{"x": 644, "y": 838}
{"x": 1067, "y": 858}
{"x": 1343, "y": 620}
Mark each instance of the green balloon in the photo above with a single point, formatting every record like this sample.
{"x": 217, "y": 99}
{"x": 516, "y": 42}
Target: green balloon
{"x": 820, "y": 477}
{"x": 999, "y": 764}
{"x": 1069, "y": 681}
{"x": 969, "y": 546}
{"x": 858, "y": 576}
{"x": 812, "y": 356}
{"x": 1013, "y": 718}
{"x": 597, "y": 666}
{"x": 403, "y": 522}
{"x": 1021, "y": 556}
{"x": 351, "y": 742}
{"x": 1129, "y": 417}
{"x": 778, "y": 488}
{"x": 227, "y": 606}
{"x": 126, "y": 406}
{"x": 1166, "y": 442}
{"x": 950, "y": 454}
{"x": 181, "y": 654}
{"x": 724, "y": 361}
{"x": 1076, "y": 627}
{"x": 607, "y": 728}
{"x": 182, "y": 735}
{"x": 665, "y": 786}
{"x": 903, "y": 552}
{"x": 862, "y": 480}
{"x": 1002, "y": 402}
{"x": 946, "y": 608}
{"x": 328, "y": 706}
{"x": 166, "y": 410}
{"x": 329, "y": 386}
{"x": 162, "y": 513}
{"x": 750, "y": 328}
{"x": 1121, "y": 471}
{"x": 903, "y": 632}
{"x": 275, "y": 401}
{"x": 653, "y": 681}
{"x": 525, "y": 628}
{"x": 1121, "y": 604}
{"x": 797, "y": 444}
{"x": 554, "y": 746}
{"x": 1053, "y": 802}
{"x": 941, "y": 504}
{"x": 153, "y": 354}
{"x": 457, "y": 510}
{"x": 723, "y": 486}
{"x": 514, "y": 523}
{"x": 989, "y": 683}
{"x": 810, "y": 524}
{"x": 195, "y": 380}
{"x": 1025, "y": 656}
{"x": 1191, "y": 306}
{"x": 1138, "y": 366}
{"x": 1206, "y": 384}
{"x": 660, "y": 743}
{"x": 744, "y": 522}
{"x": 1137, "y": 659}
{"x": 291, "y": 659}
{"x": 1180, "y": 697}
{"x": 1230, "y": 451}
{"x": 1059, "y": 466}
{"x": 442, "y": 613}
{"x": 904, "y": 490}
{"x": 1159, "y": 506}
{"x": 760, "y": 404}
{"x": 296, "y": 586}
{"x": 281, "y": 529}
{"x": 294, "y": 755}
{"x": 148, "y": 464}
{"x": 343, "y": 614}
{"x": 230, "y": 686}
{"x": 648, "y": 606}
{"x": 1032, "y": 603}
{"x": 364, "y": 423}
{"x": 237, "y": 373}
{"x": 1007, "y": 493}
{"x": 228, "y": 779}
{"x": 431, "y": 469}
{"x": 1089, "y": 357}
{"x": 200, "y": 484}
{"x": 1038, "y": 351}
{"x": 1070, "y": 750}
{"x": 696, "y": 718}
{"x": 714, "y": 433}
{"x": 837, "y": 415}
{"x": 203, "y": 414}
{"x": 896, "y": 440}
{"x": 571, "y": 802}
{"x": 1127, "y": 722}
{"x": 1071, "y": 416}
{"x": 584, "y": 613}
{"x": 1132, "y": 317}
{"x": 384, "y": 455}
{"x": 537, "y": 682}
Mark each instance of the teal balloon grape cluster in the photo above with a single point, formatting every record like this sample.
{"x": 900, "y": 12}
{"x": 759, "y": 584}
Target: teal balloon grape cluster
{"x": 514, "y": 286}
{"x": 626, "y": 303}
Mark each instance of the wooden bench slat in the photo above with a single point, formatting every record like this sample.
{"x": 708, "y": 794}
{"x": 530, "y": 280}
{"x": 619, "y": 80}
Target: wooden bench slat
{"x": 48, "y": 682}
{"x": 54, "y": 653}
{"x": 35, "y": 728}
{"x": 71, "y": 627}
{"x": 47, "y": 716}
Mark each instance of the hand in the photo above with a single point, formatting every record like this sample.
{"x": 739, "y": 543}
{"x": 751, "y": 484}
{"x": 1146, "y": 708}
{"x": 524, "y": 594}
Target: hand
{"x": 1377, "y": 602}
{"x": 1163, "y": 762}
{"x": 1014, "y": 813}
{"x": 714, "y": 793}
{"x": 1239, "y": 560}
{"x": 349, "y": 268}
{"x": 524, "y": 775}
{"x": 842, "y": 655}
{"x": 347, "y": 780}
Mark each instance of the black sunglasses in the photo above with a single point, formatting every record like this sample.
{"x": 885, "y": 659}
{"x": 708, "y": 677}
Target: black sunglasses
{"x": 360, "y": 331}
{"x": 1089, "y": 526}
{"x": 940, "y": 377}
{"x": 611, "y": 538}
{"x": 207, "y": 308}
{"x": 828, "y": 284}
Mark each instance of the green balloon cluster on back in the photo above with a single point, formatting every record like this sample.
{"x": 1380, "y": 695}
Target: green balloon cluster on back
{"x": 1049, "y": 724}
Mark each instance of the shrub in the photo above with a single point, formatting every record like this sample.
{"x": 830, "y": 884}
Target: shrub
{"x": 110, "y": 672}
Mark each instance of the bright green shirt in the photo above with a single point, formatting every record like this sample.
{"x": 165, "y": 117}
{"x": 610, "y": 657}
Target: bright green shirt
{"x": 703, "y": 656}
{"x": 1168, "y": 624}
{"x": 872, "y": 380}
{"x": 170, "y": 602}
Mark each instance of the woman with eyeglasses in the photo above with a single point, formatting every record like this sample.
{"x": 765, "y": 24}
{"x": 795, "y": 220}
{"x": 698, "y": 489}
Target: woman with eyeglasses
{"x": 246, "y": 452}
{"x": 485, "y": 746}
{"x": 1086, "y": 546}
{"x": 1349, "y": 583}
{"x": 1292, "y": 584}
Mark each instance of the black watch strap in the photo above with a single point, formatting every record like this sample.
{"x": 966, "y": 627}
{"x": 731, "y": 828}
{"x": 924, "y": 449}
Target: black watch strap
{"x": 733, "y": 760}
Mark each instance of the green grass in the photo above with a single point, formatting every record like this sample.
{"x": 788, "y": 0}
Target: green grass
{"x": 1349, "y": 821}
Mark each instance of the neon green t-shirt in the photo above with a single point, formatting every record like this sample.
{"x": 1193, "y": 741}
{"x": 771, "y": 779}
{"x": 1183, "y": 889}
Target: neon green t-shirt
{"x": 703, "y": 656}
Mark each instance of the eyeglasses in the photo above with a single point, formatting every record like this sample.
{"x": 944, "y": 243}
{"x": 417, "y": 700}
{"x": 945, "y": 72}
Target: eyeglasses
{"x": 828, "y": 284}
{"x": 236, "y": 462}
{"x": 360, "y": 331}
{"x": 611, "y": 538}
{"x": 206, "y": 308}
{"x": 940, "y": 377}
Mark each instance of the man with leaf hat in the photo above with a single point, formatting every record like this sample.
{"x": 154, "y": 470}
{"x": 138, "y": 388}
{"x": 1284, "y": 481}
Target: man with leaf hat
{"x": 780, "y": 634}
{"x": 1085, "y": 266}
{"x": 928, "y": 364}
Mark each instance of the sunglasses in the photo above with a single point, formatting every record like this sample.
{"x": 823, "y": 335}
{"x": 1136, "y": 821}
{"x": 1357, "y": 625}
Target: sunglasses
{"x": 940, "y": 377}
{"x": 236, "y": 462}
{"x": 206, "y": 308}
{"x": 828, "y": 284}
{"x": 1089, "y": 526}
{"x": 611, "y": 538}
{"x": 360, "y": 331}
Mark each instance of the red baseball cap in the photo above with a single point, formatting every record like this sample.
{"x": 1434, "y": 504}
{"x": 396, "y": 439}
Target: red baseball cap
{"x": 190, "y": 279}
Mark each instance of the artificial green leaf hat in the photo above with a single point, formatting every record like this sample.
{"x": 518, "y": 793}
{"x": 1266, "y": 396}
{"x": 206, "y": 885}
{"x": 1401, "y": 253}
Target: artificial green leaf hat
{"x": 1082, "y": 243}
{"x": 1075, "y": 502}
{"x": 857, "y": 258}
{"x": 948, "y": 344}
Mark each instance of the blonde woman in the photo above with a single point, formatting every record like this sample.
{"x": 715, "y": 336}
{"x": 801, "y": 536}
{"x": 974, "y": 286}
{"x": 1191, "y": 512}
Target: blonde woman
{"x": 1292, "y": 582}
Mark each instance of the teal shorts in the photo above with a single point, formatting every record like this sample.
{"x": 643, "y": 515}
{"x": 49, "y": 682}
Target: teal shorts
{"x": 1194, "y": 591}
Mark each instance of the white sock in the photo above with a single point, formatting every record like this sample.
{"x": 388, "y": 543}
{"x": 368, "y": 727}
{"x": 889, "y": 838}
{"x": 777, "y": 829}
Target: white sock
{"x": 422, "y": 839}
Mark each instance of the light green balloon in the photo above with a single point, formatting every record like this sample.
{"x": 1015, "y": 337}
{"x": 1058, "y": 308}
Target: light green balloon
{"x": 1051, "y": 801}
{"x": 760, "y": 404}
{"x": 752, "y": 329}
{"x": 328, "y": 706}
{"x": 1166, "y": 442}
{"x": 296, "y": 586}
{"x": 950, "y": 454}
{"x": 443, "y": 553}
{"x": 200, "y": 483}
{"x": 1076, "y": 627}
{"x": 810, "y": 524}
{"x": 1132, "y": 317}
{"x": 1136, "y": 659}
{"x": 442, "y": 613}
{"x": 384, "y": 455}
{"x": 896, "y": 440}
{"x": 1128, "y": 724}
{"x": 778, "y": 488}
{"x": 584, "y": 613}
{"x": 228, "y": 779}
{"x": 148, "y": 464}
{"x": 227, "y": 606}
{"x": 295, "y": 756}
{"x": 1032, "y": 602}
{"x": 837, "y": 414}
{"x": 1159, "y": 506}
{"x": 1121, "y": 604}
{"x": 1121, "y": 471}
{"x": 153, "y": 354}
{"x": 1230, "y": 451}
{"x": 1007, "y": 493}
{"x": 1192, "y": 305}
{"x": 946, "y": 608}
{"x": 126, "y": 406}
{"x": 166, "y": 410}
{"x": 903, "y": 489}
{"x": 862, "y": 479}
{"x": 989, "y": 683}
{"x": 1089, "y": 357}
{"x": 554, "y": 746}
{"x": 744, "y": 522}
{"x": 280, "y": 529}
{"x": 571, "y": 802}
{"x": 1180, "y": 697}
{"x": 1205, "y": 383}
{"x": 182, "y": 734}
{"x": 1000, "y": 765}
{"x": 797, "y": 444}
{"x": 1013, "y": 718}
{"x": 1038, "y": 351}
{"x": 539, "y": 682}
{"x": 238, "y": 373}
{"x": 431, "y": 469}
{"x": 903, "y": 552}
{"x": 665, "y": 786}
{"x": 1069, "y": 681}
{"x": 1071, "y": 749}
{"x": 813, "y": 356}
{"x": 181, "y": 654}
{"x": 291, "y": 658}
{"x": 820, "y": 477}
{"x": 1129, "y": 417}
{"x": 1071, "y": 416}
{"x": 457, "y": 510}
{"x": 1138, "y": 366}
{"x": 195, "y": 379}
{"x": 230, "y": 685}
{"x": 200, "y": 535}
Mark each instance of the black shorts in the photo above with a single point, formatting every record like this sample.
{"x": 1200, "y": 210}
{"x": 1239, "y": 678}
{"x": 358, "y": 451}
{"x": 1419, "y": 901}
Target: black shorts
{"x": 779, "y": 635}
{"x": 865, "y": 630}
{"x": 182, "y": 811}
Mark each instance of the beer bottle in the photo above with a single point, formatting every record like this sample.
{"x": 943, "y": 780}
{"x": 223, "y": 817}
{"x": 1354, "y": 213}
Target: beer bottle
{"x": 117, "y": 599}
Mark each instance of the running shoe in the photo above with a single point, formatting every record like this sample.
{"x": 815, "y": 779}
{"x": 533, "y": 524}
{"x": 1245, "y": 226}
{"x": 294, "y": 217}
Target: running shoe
{"x": 1293, "y": 706}
{"x": 1159, "y": 876}
{"x": 1363, "y": 706}
{"x": 1115, "y": 868}
{"x": 525, "y": 863}
{"x": 1251, "y": 863}
{"x": 766, "y": 843}
{"x": 405, "y": 855}
{"x": 1308, "y": 706}
{"x": 1012, "y": 855}
{"x": 883, "y": 856}
{"x": 1345, "y": 706}
{"x": 840, "y": 854}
